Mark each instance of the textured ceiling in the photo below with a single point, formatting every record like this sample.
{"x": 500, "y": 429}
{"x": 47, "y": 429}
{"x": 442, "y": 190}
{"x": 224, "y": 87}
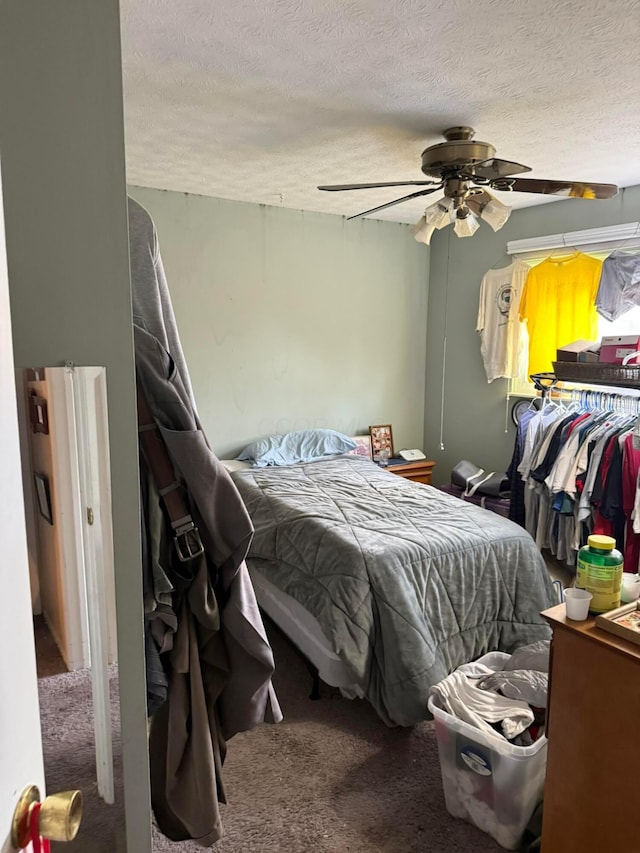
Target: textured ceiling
{"x": 262, "y": 100}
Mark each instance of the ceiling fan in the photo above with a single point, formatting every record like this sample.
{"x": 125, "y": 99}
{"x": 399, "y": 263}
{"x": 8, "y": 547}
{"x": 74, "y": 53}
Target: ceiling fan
{"x": 465, "y": 169}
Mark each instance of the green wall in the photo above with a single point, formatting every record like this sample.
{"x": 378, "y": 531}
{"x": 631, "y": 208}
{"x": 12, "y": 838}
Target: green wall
{"x": 62, "y": 148}
{"x": 474, "y": 411}
{"x": 292, "y": 320}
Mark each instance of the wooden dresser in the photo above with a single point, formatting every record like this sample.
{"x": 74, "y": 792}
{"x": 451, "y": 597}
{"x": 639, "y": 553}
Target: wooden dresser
{"x": 594, "y": 740}
{"x": 419, "y": 472}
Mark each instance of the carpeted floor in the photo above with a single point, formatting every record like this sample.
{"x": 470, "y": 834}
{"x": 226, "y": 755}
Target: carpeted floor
{"x": 331, "y": 778}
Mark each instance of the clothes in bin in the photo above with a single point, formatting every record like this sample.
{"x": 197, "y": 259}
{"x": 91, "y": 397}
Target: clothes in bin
{"x": 487, "y": 780}
{"x": 499, "y": 505}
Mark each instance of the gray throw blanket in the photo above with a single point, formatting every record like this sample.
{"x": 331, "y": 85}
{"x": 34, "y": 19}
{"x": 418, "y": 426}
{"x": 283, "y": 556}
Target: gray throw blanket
{"x": 407, "y": 582}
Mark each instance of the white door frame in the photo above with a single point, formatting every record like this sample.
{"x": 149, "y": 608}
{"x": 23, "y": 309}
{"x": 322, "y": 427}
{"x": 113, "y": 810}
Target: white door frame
{"x": 20, "y": 738}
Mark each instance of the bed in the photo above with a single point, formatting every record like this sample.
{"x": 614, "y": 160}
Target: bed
{"x": 384, "y": 584}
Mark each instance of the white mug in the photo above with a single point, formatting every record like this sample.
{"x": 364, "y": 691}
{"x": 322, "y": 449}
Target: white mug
{"x": 630, "y": 589}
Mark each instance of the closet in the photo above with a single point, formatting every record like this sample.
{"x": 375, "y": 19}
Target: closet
{"x": 576, "y": 458}
{"x": 574, "y": 470}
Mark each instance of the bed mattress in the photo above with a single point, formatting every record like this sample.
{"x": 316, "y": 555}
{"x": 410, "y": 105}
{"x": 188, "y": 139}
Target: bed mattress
{"x": 304, "y": 630}
{"x": 405, "y": 582}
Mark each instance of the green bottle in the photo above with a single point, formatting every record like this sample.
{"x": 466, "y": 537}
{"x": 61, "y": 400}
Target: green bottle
{"x": 600, "y": 568}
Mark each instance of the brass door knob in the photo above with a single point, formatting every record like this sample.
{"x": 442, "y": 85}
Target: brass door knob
{"x": 59, "y": 818}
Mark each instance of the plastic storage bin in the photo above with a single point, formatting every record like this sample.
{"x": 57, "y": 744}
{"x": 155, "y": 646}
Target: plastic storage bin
{"x": 487, "y": 781}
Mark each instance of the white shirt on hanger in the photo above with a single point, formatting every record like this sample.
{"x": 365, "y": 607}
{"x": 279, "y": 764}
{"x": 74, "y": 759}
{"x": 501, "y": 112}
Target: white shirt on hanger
{"x": 541, "y": 419}
{"x": 498, "y": 320}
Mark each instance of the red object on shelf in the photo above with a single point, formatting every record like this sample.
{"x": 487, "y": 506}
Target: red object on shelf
{"x": 615, "y": 348}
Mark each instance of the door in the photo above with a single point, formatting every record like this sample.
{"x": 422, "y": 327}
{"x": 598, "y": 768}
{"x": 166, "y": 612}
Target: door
{"x": 20, "y": 740}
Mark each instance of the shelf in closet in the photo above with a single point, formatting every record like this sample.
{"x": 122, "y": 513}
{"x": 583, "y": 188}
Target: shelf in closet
{"x": 616, "y": 375}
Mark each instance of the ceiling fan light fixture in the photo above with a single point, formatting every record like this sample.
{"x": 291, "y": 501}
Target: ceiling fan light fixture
{"x": 467, "y": 224}
{"x": 422, "y": 231}
{"x": 495, "y": 213}
{"x": 440, "y": 214}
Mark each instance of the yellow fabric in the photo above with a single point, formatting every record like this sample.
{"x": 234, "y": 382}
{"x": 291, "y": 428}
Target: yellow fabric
{"x": 558, "y": 304}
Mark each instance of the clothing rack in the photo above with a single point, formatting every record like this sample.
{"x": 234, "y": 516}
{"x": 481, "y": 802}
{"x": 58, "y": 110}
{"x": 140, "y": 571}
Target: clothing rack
{"x": 587, "y": 398}
{"x": 606, "y": 401}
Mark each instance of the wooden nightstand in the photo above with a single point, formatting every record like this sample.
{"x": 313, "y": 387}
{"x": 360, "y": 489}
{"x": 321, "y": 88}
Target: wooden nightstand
{"x": 419, "y": 472}
{"x": 592, "y": 726}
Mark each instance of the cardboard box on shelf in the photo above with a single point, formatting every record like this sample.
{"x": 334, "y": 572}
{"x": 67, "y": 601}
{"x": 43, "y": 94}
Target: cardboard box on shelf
{"x": 615, "y": 348}
{"x": 579, "y": 351}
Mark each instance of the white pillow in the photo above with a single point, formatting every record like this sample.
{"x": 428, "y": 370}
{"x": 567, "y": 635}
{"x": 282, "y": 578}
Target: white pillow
{"x": 306, "y": 445}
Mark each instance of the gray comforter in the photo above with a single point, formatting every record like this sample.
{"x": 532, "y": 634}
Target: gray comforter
{"x": 406, "y": 581}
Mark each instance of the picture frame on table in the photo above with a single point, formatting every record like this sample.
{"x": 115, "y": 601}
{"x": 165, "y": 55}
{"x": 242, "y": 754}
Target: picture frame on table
{"x": 623, "y": 622}
{"x": 43, "y": 495}
{"x": 362, "y": 448}
{"x": 381, "y": 442}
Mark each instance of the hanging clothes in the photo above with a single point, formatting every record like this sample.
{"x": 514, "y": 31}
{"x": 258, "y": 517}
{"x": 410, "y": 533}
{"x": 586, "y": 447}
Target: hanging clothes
{"x": 498, "y": 321}
{"x": 536, "y": 427}
{"x": 550, "y": 287}
{"x": 516, "y": 483}
{"x": 630, "y": 471}
{"x": 209, "y": 641}
{"x": 150, "y": 298}
{"x": 606, "y": 491}
{"x": 619, "y": 286}
{"x": 580, "y": 473}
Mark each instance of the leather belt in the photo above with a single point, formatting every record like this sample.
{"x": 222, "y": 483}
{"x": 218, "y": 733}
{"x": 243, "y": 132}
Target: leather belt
{"x": 186, "y": 538}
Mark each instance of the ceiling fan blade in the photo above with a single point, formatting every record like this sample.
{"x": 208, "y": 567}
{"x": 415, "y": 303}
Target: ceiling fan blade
{"x": 496, "y": 168}
{"x": 339, "y": 187}
{"x": 396, "y": 201}
{"x": 571, "y": 189}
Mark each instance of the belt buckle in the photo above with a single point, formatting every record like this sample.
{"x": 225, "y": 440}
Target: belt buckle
{"x": 188, "y": 542}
